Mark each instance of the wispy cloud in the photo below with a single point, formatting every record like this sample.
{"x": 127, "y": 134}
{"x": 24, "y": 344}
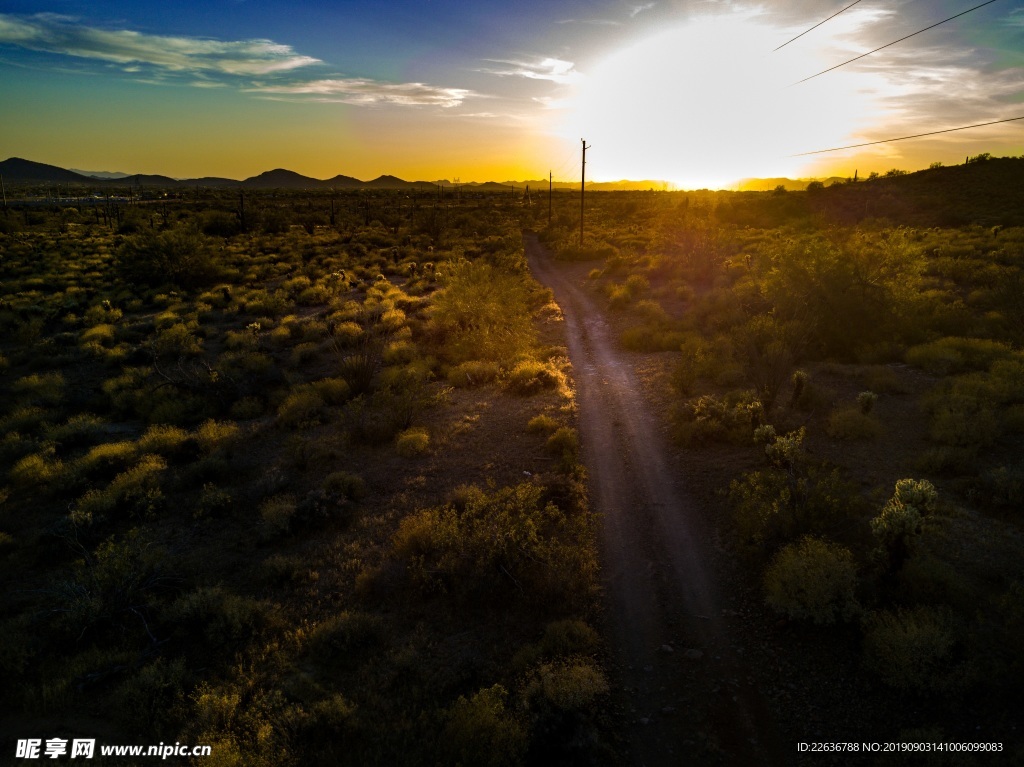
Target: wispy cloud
{"x": 555, "y": 70}
{"x": 366, "y": 92}
{"x": 592, "y": 22}
{"x": 636, "y": 10}
{"x": 50, "y": 33}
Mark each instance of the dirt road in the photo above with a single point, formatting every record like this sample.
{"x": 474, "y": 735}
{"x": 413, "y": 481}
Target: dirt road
{"x": 684, "y": 694}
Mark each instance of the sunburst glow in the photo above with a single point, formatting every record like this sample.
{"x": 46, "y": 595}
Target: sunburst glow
{"x": 707, "y": 103}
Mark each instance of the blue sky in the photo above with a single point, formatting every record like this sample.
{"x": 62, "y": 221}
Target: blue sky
{"x": 690, "y": 92}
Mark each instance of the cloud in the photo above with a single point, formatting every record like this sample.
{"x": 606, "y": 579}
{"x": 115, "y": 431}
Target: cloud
{"x": 365, "y": 92}
{"x": 50, "y": 33}
{"x": 593, "y": 22}
{"x": 555, "y": 70}
{"x": 636, "y": 10}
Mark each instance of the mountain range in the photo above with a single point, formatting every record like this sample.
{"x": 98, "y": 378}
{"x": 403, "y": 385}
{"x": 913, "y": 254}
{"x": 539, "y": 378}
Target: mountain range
{"x": 16, "y": 170}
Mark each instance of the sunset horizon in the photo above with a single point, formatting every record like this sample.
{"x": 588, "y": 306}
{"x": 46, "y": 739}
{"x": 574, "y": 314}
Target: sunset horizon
{"x": 692, "y": 94}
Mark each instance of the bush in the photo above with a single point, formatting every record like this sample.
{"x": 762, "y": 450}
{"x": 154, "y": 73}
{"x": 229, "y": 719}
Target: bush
{"x": 531, "y": 376}
{"x": 569, "y": 686}
{"x": 181, "y": 256}
{"x": 912, "y": 650}
{"x": 481, "y": 730}
{"x": 852, "y": 422}
{"x": 277, "y": 514}
{"x": 542, "y": 424}
{"x": 564, "y": 444}
{"x": 412, "y": 442}
{"x": 473, "y": 373}
{"x": 707, "y": 419}
{"x": 957, "y": 355}
{"x": 812, "y": 580}
{"x": 135, "y": 492}
{"x": 507, "y": 542}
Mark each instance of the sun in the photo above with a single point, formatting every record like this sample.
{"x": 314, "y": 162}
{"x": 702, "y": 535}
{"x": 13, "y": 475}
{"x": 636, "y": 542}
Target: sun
{"x": 707, "y": 103}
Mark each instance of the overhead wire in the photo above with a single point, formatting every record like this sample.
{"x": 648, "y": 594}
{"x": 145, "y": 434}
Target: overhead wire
{"x": 907, "y": 37}
{"x": 904, "y": 138}
{"x": 816, "y": 25}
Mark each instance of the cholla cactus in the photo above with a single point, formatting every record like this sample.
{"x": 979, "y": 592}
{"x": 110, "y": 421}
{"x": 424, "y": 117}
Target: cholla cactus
{"x": 866, "y": 401}
{"x": 901, "y": 517}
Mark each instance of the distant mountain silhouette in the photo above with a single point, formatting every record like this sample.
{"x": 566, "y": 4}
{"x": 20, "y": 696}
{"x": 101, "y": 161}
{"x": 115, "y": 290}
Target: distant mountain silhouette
{"x": 16, "y": 170}
{"x": 106, "y": 174}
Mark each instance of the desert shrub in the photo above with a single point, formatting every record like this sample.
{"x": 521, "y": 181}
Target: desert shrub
{"x": 346, "y": 484}
{"x": 792, "y": 497}
{"x": 851, "y": 422}
{"x": 168, "y": 441}
{"x": 1002, "y": 486}
{"x": 413, "y": 442}
{"x": 542, "y": 424}
{"x": 571, "y": 686}
{"x": 247, "y": 408}
{"x": 504, "y": 542}
{"x": 473, "y": 373}
{"x": 707, "y": 419}
{"x": 344, "y": 634}
{"x": 181, "y": 256}
{"x": 214, "y": 618}
{"x": 154, "y": 697}
{"x": 652, "y": 338}
{"x": 303, "y": 405}
{"x": 135, "y": 492}
{"x": 531, "y": 376}
{"x": 42, "y": 470}
{"x": 277, "y": 514}
{"x": 112, "y": 588}
{"x": 912, "y": 650}
{"x": 482, "y": 730}
{"x": 564, "y": 444}
{"x": 177, "y": 341}
{"x": 101, "y": 335}
{"x": 45, "y": 389}
{"x": 483, "y": 313}
{"x": 957, "y": 355}
{"x": 106, "y": 459}
{"x": 812, "y": 580}
{"x": 216, "y": 435}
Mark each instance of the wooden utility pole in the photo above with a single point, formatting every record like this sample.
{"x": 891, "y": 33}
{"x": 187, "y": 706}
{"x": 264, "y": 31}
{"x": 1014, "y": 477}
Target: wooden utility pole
{"x": 549, "y": 199}
{"x": 2, "y": 187}
{"x": 583, "y": 184}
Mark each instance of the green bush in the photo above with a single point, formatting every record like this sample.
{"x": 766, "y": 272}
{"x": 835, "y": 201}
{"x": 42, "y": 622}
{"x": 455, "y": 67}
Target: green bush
{"x": 481, "y": 730}
{"x": 181, "y": 256}
{"x": 542, "y": 424}
{"x": 812, "y": 580}
{"x": 473, "y": 373}
{"x": 532, "y": 376}
{"x": 507, "y": 542}
{"x": 957, "y": 355}
{"x": 707, "y": 419}
{"x": 913, "y": 650}
{"x": 412, "y": 442}
{"x": 852, "y": 422}
{"x": 135, "y": 492}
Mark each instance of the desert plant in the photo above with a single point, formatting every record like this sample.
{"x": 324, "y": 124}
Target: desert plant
{"x": 812, "y": 580}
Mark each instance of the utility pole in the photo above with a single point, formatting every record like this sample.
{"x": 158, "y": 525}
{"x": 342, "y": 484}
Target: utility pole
{"x": 549, "y": 199}
{"x": 4, "y": 188}
{"x": 583, "y": 184}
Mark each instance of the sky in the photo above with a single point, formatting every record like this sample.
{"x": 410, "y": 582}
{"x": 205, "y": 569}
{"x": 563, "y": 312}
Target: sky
{"x": 692, "y": 92}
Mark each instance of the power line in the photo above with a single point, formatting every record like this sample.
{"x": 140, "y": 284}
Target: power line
{"x": 817, "y": 25}
{"x": 876, "y": 50}
{"x": 904, "y": 138}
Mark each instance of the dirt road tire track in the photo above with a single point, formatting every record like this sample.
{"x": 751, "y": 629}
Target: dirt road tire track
{"x": 685, "y": 696}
